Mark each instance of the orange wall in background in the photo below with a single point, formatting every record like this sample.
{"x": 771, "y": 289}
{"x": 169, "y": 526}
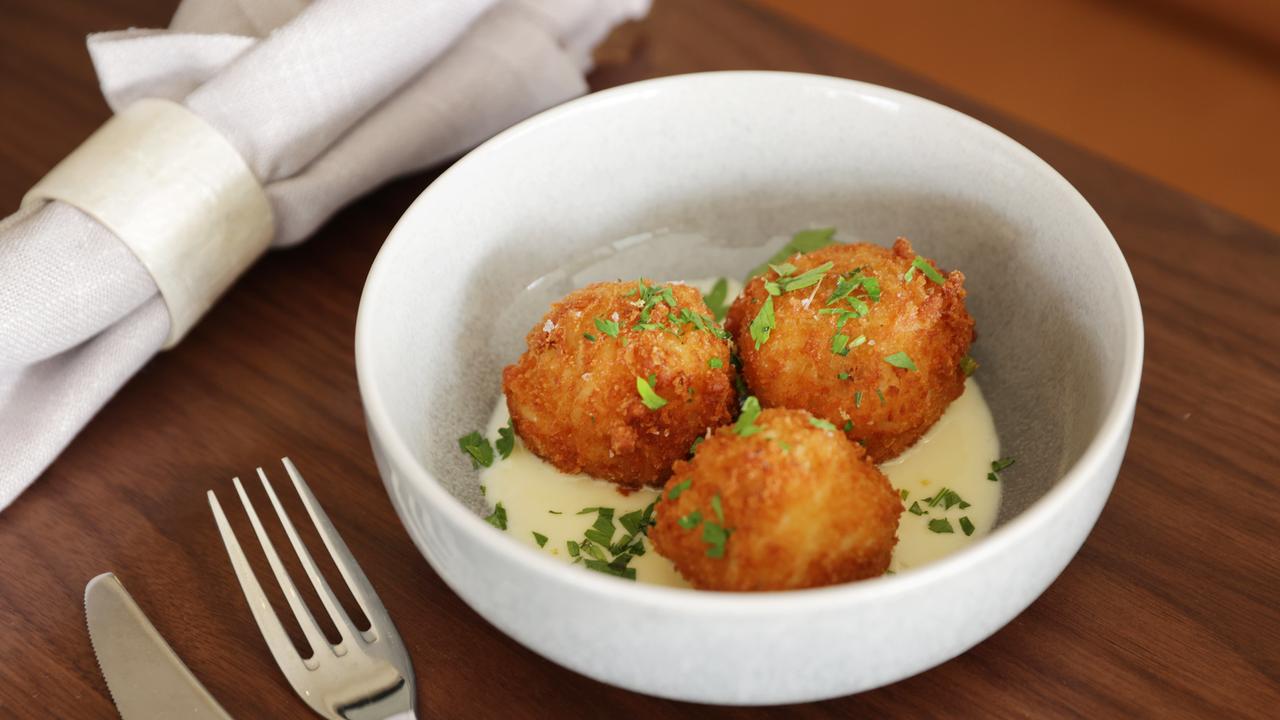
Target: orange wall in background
{"x": 1185, "y": 91}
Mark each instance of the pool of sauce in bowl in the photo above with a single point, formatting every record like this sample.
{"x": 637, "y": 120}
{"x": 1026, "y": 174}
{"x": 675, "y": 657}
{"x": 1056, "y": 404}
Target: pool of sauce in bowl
{"x": 956, "y": 454}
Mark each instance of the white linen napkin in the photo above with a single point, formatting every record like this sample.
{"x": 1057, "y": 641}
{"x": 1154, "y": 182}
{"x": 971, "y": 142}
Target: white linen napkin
{"x": 324, "y": 101}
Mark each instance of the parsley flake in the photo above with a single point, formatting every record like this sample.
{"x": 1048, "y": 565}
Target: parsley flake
{"x": 715, "y": 363}
{"x": 498, "y": 518}
{"x": 968, "y": 366}
{"x": 540, "y": 539}
{"x": 848, "y": 426}
{"x": 901, "y": 360}
{"x": 966, "y": 526}
{"x": 857, "y": 398}
{"x": 763, "y": 323}
{"x": 840, "y": 345}
{"x": 478, "y": 448}
{"x": 506, "y": 441}
{"x": 651, "y": 399}
{"x": 941, "y": 526}
{"x": 746, "y": 424}
{"x": 926, "y": 268}
{"x": 715, "y": 536}
{"x": 608, "y": 327}
{"x": 690, "y": 521}
{"x": 716, "y": 507}
{"x": 997, "y": 466}
{"x": 915, "y": 509}
{"x": 821, "y": 424}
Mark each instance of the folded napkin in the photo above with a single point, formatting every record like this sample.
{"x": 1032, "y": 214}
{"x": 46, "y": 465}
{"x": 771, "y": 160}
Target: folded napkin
{"x": 323, "y": 101}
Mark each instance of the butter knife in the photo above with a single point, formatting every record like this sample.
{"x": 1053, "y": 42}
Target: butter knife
{"x": 146, "y": 678}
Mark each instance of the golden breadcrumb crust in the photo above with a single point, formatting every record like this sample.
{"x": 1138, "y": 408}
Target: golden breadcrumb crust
{"x": 803, "y": 506}
{"x": 574, "y": 400}
{"x": 797, "y": 368}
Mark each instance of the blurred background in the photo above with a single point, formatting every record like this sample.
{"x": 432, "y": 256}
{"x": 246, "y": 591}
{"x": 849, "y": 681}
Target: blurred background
{"x": 1186, "y": 91}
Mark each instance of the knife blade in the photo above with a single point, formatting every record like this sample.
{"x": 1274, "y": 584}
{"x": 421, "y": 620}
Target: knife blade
{"x": 145, "y": 676}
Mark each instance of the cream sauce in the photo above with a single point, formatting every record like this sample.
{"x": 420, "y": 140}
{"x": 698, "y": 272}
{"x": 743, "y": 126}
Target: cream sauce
{"x": 955, "y": 454}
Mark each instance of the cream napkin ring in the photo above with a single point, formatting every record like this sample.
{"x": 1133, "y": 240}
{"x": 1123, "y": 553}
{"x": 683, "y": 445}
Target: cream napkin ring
{"x": 177, "y": 194}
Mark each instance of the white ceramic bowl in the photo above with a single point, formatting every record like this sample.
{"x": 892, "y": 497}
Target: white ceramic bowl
{"x": 741, "y": 157}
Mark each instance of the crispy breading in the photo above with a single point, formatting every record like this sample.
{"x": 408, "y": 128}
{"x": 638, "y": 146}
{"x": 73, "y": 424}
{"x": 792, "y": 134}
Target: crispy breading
{"x": 802, "y": 506}
{"x": 887, "y": 408}
{"x": 573, "y": 394}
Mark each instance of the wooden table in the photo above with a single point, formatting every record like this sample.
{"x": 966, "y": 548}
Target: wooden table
{"x": 1170, "y": 609}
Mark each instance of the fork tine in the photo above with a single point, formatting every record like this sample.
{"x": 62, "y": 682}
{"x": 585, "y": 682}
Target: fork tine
{"x": 310, "y": 629}
{"x": 345, "y": 628}
{"x": 273, "y": 632}
{"x": 357, "y": 582}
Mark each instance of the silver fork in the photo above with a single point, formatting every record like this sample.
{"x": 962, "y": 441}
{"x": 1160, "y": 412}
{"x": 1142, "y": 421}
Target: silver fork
{"x": 367, "y": 675}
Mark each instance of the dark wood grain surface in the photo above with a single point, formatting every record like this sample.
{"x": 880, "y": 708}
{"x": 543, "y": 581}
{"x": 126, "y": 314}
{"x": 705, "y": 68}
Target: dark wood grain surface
{"x": 1169, "y": 610}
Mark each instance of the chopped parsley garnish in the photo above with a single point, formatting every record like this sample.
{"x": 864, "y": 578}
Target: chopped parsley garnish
{"x": 746, "y": 424}
{"x": 715, "y": 536}
{"x": 941, "y": 526}
{"x": 763, "y": 323}
{"x": 693, "y": 449}
{"x": 715, "y": 363}
{"x": 632, "y": 521}
{"x": 924, "y": 267}
{"x": 574, "y": 549}
{"x": 842, "y": 376}
{"x": 901, "y": 360}
{"x": 601, "y": 531}
{"x": 478, "y": 448}
{"x": 948, "y": 498}
{"x": 555, "y": 512}
{"x": 966, "y": 526}
{"x": 841, "y": 344}
{"x": 848, "y": 426}
{"x": 498, "y": 518}
{"x": 651, "y": 399}
{"x": 540, "y": 539}
{"x": 651, "y": 295}
{"x": 716, "y": 507}
{"x": 857, "y": 398}
{"x": 997, "y": 466}
{"x": 904, "y": 493}
{"x": 854, "y": 282}
{"x": 968, "y": 365}
{"x": 915, "y": 509}
{"x": 506, "y": 441}
{"x": 616, "y": 567}
{"x": 880, "y": 395}
{"x": 608, "y": 327}
{"x": 785, "y": 283}
{"x": 690, "y": 521}
{"x": 715, "y": 299}
{"x": 802, "y": 242}
{"x": 821, "y": 424}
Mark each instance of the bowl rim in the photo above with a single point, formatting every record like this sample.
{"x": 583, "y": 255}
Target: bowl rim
{"x": 1113, "y": 429}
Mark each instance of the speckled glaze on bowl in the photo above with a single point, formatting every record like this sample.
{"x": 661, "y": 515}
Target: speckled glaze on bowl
{"x": 740, "y": 157}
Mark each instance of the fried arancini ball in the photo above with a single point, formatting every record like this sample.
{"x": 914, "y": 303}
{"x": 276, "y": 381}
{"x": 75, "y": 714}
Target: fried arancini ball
{"x": 619, "y": 379}
{"x": 865, "y": 348}
{"x": 780, "y": 502}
